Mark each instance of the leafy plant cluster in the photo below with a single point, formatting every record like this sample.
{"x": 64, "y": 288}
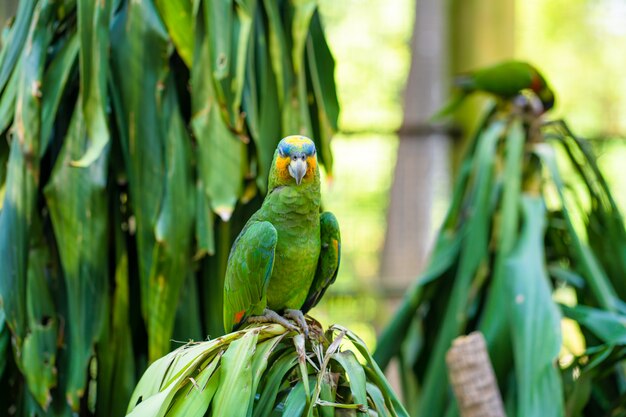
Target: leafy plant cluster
{"x": 264, "y": 370}
{"x": 125, "y": 125}
{"x": 532, "y": 236}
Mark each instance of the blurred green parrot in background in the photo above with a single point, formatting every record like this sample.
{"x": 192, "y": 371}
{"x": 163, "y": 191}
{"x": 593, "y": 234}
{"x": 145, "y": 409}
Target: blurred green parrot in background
{"x": 505, "y": 80}
{"x": 287, "y": 254}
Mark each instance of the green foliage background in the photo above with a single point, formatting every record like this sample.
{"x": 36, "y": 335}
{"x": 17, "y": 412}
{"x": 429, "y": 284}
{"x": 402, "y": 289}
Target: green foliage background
{"x": 125, "y": 126}
{"x": 531, "y": 254}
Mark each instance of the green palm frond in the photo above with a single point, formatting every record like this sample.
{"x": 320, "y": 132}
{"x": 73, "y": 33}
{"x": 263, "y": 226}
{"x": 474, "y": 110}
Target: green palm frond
{"x": 265, "y": 370}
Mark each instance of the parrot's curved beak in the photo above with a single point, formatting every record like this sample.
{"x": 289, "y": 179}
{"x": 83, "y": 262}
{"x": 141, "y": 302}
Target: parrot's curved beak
{"x": 297, "y": 169}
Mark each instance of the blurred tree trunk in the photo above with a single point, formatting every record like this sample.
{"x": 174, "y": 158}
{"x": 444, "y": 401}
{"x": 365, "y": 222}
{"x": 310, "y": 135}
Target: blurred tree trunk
{"x": 422, "y": 160}
{"x": 421, "y": 165}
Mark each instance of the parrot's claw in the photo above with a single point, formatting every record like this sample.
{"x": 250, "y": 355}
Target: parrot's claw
{"x": 270, "y": 316}
{"x": 298, "y": 317}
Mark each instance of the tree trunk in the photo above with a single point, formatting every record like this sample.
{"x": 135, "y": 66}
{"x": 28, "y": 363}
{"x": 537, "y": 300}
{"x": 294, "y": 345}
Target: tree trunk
{"x": 421, "y": 167}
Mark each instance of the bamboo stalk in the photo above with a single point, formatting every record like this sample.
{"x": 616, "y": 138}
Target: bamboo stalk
{"x": 472, "y": 377}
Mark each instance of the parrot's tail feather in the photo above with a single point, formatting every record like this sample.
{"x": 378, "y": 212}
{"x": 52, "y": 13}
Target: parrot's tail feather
{"x": 465, "y": 82}
{"x": 449, "y": 108}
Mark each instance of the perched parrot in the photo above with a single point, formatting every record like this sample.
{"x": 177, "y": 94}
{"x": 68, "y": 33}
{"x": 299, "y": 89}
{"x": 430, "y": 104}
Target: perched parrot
{"x": 505, "y": 80}
{"x": 287, "y": 254}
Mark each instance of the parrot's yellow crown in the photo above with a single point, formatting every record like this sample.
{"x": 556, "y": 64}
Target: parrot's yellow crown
{"x": 296, "y": 159}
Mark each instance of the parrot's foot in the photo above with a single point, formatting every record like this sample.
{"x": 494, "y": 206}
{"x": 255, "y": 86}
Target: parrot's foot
{"x": 270, "y": 316}
{"x": 298, "y": 317}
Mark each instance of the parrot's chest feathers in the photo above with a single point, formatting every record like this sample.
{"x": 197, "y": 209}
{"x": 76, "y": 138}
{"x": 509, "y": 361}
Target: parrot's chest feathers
{"x": 295, "y": 215}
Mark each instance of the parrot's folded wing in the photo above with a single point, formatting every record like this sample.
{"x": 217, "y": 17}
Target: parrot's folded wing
{"x": 328, "y": 263}
{"x": 248, "y": 273}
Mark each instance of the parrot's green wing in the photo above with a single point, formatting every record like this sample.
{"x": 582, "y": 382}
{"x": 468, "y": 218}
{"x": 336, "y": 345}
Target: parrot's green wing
{"x": 248, "y": 273}
{"x": 505, "y": 79}
{"x": 328, "y": 263}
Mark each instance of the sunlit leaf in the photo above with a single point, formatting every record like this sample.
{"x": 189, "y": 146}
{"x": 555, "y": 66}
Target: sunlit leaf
{"x": 93, "y": 30}
{"x": 535, "y": 319}
{"x": 178, "y": 16}
{"x": 78, "y": 201}
{"x": 608, "y": 326}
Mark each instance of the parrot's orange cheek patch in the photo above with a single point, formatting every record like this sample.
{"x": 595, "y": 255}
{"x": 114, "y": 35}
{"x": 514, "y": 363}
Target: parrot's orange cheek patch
{"x": 282, "y": 164}
{"x": 311, "y": 162}
{"x": 239, "y": 316}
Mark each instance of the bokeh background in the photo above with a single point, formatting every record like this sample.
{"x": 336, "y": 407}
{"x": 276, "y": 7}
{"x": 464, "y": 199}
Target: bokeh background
{"x": 394, "y": 168}
{"x": 579, "y": 45}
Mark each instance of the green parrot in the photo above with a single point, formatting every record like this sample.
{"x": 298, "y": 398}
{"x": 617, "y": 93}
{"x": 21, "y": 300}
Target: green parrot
{"x": 287, "y": 254}
{"x": 505, "y": 80}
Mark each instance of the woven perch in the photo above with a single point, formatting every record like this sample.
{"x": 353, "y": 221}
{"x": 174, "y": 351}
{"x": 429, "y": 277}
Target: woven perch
{"x": 472, "y": 377}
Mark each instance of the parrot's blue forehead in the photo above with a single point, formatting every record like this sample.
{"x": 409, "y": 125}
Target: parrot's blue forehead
{"x": 295, "y": 145}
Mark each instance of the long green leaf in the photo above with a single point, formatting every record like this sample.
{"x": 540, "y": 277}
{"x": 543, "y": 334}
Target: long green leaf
{"x": 116, "y": 362}
{"x": 173, "y": 230}
{"x": 275, "y": 375}
{"x": 220, "y": 152}
{"x": 495, "y": 325}
{"x": 535, "y": 319}
{"x": 321, "y": 66}
{"x": 236, "y": 371}
{"x": 260, "y": 99}
{"x": 9, "y": 55}
{"x": 296, "y": 400}
{"x": 23, "y": 174}
{"x": 259, "y": 365}
{"x": 377, "y": 398}
{"x": 5, "y": 336}
{"x": 39, "y": 351}
{"x": 158, "y": 404}
{"x": 78, "y": 204}
{"x": 356, "y": 375}
{"x": 195, "y": 399}
{"x": 178, "y": 16}
{"x": 54, "y": 84}
{"x": 7, "y": 101}
{"x": 93, "y": 30}
{"x": 443, "y": 260}
{"x": 138, "y": 70}
{"x": 473, "y": 253}
{"x": 205, "y": 234}
{"x": 595, "y": 276}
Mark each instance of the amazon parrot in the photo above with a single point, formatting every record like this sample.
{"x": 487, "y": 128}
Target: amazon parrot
{"x": 505, "y": 80}
{"x": 287, "y": 254}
